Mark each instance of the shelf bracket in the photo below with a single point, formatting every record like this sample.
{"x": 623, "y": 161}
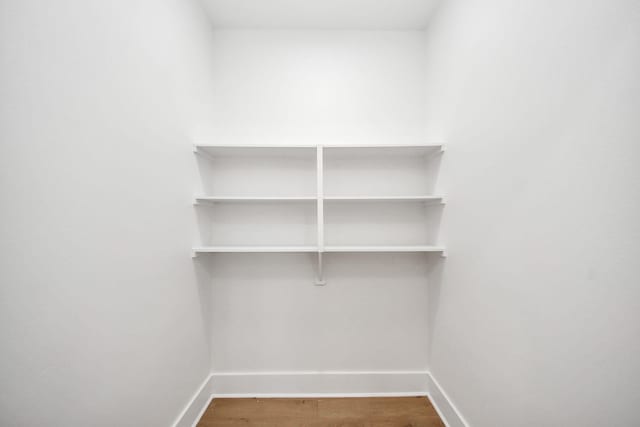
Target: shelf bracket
{"x": 437, "y": 152}
{"x": 199, "y": 152}
{"x": 320, "y": 213}
{"x": 320, "y": 273}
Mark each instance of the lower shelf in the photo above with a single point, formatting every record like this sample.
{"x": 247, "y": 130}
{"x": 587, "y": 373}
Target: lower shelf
{"x": 315, "y": 249}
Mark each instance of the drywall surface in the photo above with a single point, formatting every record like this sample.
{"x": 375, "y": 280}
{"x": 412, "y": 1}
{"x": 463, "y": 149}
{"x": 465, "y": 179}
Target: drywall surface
{"x": 314, "y": 87}
{"x": 536, "y": 313}
{"x": 269, "y": 317}
{"x": 325, "y": 15}
{"x": 102, "y": 320}
{"x": 302, "y": 87}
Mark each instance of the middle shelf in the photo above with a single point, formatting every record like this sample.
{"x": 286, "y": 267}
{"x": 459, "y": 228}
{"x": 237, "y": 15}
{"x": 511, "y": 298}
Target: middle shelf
{"x": 303, "y": 222}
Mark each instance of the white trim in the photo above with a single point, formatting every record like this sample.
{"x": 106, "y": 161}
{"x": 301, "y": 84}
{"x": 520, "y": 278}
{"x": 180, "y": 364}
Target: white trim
{"x": 196, "y": 406}
{"x": 314, "y": 395}
{"x": 271, "y": 373}
{"x": 443, "y": 405}
{"x": 319, "y": 383}
{"x": 314, "y": 384}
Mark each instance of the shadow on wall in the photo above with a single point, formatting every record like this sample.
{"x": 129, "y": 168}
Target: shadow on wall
{"x": 204, "y": 272}
{"x": 435, "y": 270}
{"x": 269, "y": 316}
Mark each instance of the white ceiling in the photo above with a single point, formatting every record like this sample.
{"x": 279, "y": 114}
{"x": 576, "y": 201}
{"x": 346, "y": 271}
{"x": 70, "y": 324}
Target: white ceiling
{"x": 322, "y": 14}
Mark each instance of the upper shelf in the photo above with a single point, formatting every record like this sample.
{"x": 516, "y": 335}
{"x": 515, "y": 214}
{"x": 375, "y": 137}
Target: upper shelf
{"x": 253, "y": 149}
{"x": 335, "y": 152}
{"x": 431, "y": 199}
{"x": 232, "y": 199}
{"x": 213, "y": 150}
{"x": 385, "y": 248}
{"x": 252, "y": 249}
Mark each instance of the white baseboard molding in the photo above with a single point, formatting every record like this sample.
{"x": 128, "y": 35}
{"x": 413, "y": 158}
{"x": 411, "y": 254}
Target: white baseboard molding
{"x": 320, "y": 384}
{"x": 443, "y": 404}
{"x": 194, "y": 410}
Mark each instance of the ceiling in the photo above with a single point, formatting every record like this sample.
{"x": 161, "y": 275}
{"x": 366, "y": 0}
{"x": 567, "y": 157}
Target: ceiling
{"x": 321, "y": 14}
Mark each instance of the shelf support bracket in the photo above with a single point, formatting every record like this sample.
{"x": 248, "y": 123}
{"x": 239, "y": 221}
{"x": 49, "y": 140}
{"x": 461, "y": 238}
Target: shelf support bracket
{"x": 199, "y": 152}
{"x": 433, "y": 153}
{"x": 320, "y": 212}
{"x": 320, "y": 273}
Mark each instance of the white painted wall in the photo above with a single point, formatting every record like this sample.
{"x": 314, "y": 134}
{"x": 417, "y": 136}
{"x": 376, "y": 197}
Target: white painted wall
{"x": 325, "y": 15}
{"x": 268, "y": 315}
{"x": 536, "y": 312}
{"x": 308, "y": 87}
{"x": 103, "y": 318}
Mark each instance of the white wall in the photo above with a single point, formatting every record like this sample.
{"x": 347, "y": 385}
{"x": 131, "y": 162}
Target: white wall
{"x": 268, "y": 315}
{"x": 102, "y": 317}
{"x": 536, "y": 312}
{"x": 308, "y": 87}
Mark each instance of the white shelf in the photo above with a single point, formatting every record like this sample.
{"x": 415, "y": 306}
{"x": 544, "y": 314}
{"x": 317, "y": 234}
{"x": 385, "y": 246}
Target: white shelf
{"x": 233, "y": 146}
{"x": 426, "y": 145}
{"x": 414, "y": 248}
{"x": 271, "y": 146}
{"x": 231, "y": 199}
{"x": 284, "y": 249}
{"x": 291, "y": 169}
{"x": 252, "y": 249}
{"x": 217, "y": 150}
{"x": 279, "y": 151}
{"x": 434, "y": 199}
{"x": 225, "y": 199}
{"x": 359, "y": 152}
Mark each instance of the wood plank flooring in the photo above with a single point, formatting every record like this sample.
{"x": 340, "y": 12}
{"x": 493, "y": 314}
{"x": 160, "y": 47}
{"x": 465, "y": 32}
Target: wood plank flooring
{"x": 342, "y": 412}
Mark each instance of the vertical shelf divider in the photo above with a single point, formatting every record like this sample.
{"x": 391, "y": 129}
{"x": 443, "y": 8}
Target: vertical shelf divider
{"x": 320, "y": 214}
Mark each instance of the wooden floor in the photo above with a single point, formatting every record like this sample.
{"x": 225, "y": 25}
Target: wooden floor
{"x": 344, "y": 412}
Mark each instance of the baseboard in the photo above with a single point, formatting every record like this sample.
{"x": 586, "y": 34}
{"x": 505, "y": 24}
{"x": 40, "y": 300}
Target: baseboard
{"x": 193, "y": 411}
{"x": 443, "y": 404}
{"x": 320, "y": 384}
